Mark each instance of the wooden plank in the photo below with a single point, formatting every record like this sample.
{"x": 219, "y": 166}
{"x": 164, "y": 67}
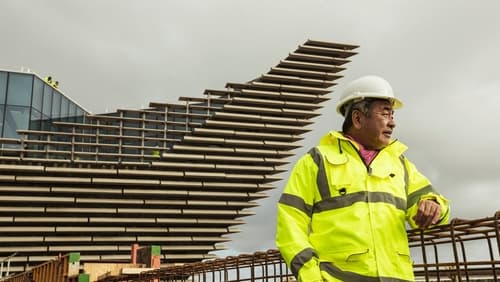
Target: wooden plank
{"x": 100, "y": 270}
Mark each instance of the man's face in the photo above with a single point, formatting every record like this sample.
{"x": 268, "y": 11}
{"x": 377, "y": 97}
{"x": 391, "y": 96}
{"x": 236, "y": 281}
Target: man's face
{"x": 377, "y": 125}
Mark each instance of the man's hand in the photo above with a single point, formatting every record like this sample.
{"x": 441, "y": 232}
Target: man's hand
{"x": 428, "y": 213}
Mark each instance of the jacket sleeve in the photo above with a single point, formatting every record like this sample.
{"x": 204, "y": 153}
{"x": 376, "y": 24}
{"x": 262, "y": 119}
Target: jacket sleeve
{"x": 293, "y": 221}
{"x": 420, "y": 188}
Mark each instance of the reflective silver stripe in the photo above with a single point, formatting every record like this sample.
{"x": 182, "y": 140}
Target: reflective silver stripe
{"x": 296, "y": 202}
{"x": 407, "y": 177}
{"x": 363, "y": 196}
{"x": 351, "y": 276}
{"x": 300, "y": 259}
{"x": 345, "y": 275}
{"x": 415, "y": 196}
{"x": 321, "y": 179}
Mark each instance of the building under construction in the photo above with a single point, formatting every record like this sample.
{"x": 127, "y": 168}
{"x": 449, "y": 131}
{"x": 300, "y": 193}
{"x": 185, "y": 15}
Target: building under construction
{"x": 178, "y": 175}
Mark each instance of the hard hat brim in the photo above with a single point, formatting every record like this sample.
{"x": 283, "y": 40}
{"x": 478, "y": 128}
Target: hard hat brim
{"x": 395, "y": 102}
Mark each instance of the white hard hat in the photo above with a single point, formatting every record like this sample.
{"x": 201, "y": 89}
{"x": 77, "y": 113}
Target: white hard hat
{"x": 369, "y": 86}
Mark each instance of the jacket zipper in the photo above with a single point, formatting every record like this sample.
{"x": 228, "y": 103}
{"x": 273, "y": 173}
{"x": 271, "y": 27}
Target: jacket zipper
{"x": 368, "y": 166}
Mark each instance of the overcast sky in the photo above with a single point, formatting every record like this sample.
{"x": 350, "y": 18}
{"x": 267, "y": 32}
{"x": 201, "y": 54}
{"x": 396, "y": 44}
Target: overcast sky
{"x": 441, "y": 57}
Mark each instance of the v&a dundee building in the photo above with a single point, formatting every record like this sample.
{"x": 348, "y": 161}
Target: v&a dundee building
{"x": 179, "y": 175}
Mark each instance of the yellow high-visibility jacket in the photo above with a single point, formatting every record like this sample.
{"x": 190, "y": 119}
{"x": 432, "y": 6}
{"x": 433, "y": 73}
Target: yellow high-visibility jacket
{"x": 341, "y": 220}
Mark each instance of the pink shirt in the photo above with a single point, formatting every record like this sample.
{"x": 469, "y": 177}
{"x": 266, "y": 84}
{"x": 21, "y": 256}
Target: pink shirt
{"x": 366, "y": 154}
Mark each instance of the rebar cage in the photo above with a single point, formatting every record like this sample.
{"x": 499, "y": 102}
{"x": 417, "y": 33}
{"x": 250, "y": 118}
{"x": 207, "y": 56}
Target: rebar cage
{"x": 464, "y": 250}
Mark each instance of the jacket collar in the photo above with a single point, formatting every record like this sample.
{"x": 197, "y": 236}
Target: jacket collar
{"x": 333, "y": 137}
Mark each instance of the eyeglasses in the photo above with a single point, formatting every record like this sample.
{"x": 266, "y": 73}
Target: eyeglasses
{"x": 386, "y": 114}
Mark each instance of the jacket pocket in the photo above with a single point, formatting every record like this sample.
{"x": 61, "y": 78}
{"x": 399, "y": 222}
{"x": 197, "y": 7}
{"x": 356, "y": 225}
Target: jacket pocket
{"x": 348, "y": 260}
{"x": 336, "y": 159}
{"x": 382, "y": 172}
{"x": 401, "y": 265}
{"x": 404, "y": 256}
{"x": 337, "y": 180}
{"x": 391, "y": 180}
{"x": 402, "y": 262}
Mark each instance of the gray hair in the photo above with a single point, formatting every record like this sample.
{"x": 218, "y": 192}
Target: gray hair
{"x": 363, "y": 105}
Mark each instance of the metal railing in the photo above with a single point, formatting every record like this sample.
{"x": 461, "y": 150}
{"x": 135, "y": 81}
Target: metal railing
{"x": 7, "y": 259}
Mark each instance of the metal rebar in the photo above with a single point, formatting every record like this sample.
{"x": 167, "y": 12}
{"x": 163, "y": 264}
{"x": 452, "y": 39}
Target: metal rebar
{"x": 455, "y": 251}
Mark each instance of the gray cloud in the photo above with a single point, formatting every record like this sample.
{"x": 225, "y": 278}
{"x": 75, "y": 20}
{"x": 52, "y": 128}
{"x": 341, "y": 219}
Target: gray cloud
{"x": 440, "y": 56}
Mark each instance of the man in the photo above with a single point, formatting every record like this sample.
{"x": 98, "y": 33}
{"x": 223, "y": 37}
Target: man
{"x": 342, "y": 214}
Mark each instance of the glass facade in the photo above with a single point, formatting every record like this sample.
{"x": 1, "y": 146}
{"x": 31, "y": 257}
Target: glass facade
{"x": 28, "y": 102}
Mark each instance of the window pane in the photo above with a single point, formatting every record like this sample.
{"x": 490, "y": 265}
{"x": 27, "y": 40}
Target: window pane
{"x": 56, "y": 105}
{"x": 35, "y": 123}
{"x": 19, "y": 90}
{"x": 64, "y": 106}
{"x": 16, "y": 117}
{"x": 72, "y": 112}
{"x": 47, "y": 100}
{"x": 79, "y": 115}
{"x": 3, "y": 86}
{"x": 37, "y": 94}
{"x": 45, "y": 122}
{"x": 1, "y": 118}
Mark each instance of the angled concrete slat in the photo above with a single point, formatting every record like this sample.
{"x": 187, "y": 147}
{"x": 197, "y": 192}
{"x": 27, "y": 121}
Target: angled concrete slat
{"x": 181, "y": 175}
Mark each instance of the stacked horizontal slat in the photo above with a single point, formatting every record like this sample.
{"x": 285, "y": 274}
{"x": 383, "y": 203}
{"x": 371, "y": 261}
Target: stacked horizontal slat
{"x": 179, "y": 175}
